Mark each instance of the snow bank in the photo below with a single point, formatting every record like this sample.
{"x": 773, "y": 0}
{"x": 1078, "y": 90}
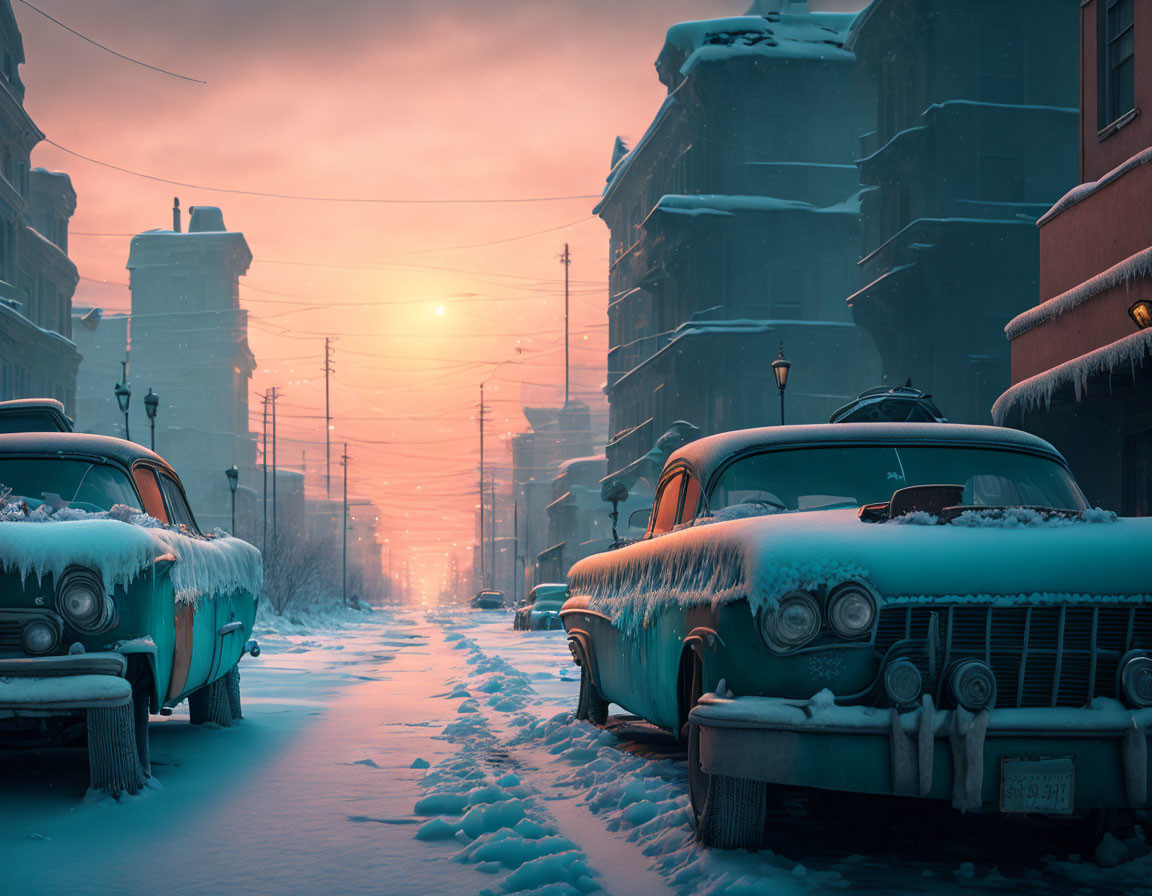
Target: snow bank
{"x": 1130, "y": 352}
{"x": 764, "y": 558}
{"x": 119, "y": 550}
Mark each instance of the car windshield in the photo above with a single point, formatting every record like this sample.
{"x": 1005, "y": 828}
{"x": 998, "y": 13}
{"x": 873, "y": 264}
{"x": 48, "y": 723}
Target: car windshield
{"x": 851, "y": 476}
{"x": 64, "y": 482}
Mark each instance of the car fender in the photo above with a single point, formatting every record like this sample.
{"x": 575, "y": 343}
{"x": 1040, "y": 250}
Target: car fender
{"x": 583, "y": 654}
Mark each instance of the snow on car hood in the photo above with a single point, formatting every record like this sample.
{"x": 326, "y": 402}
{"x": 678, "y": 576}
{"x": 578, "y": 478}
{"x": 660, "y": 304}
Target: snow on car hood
{"x": 764, "y": 558}
{"x": 119, "y": 551}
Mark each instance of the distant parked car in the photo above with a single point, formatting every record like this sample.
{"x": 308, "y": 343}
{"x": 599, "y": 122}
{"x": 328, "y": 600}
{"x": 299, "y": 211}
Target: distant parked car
{"x": 890, "y": 404}
{"x": 916, "y": 609}
{"x": 541, "y": 609}
{"x": 488, "y": 600}
{"x": 113, "y": 604}
{"x": 33, "y": 415}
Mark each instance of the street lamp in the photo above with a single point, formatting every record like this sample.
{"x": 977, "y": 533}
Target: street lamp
{"x": 780, "y": 367}
{"x": 151, "y": 400}
{"x": 233, "y": 477}
{"x": 124, "y": 396}
{"x": 1141, "y": 312}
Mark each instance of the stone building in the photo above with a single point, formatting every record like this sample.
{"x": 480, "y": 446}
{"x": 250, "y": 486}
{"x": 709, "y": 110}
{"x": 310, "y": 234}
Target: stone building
{"x": 37, "y": 279}
{"x": 734, "y": 227}
{"x": 974, "y": 137}
{"x": 1082, "y": 358}
{"x": 101, "y": 338}
{"x": 189, "y": 344}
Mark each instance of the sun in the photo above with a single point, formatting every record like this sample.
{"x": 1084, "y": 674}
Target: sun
{"x": 439, "y": 310}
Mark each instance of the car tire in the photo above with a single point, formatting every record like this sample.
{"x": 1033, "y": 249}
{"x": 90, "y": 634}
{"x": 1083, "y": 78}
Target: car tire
{"x": 210, "y": 705}
{"x": 591, "y": 706}
{"x": 729, "y": 812}
{"x": 113, "y": 757}
{"x": 140, "y": 714}
{"x": 232, "y": 683}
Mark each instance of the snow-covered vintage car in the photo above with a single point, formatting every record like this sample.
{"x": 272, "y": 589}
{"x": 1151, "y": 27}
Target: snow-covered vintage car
{"x": 113, "y": 604}
{"x": 541, "y": 609}
{"x": 918, "y": 609}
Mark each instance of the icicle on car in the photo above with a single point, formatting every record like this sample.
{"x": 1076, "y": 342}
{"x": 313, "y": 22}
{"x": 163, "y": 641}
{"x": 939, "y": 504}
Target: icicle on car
{"x": 995, "y": 650}
{"x": 112, "y": 603}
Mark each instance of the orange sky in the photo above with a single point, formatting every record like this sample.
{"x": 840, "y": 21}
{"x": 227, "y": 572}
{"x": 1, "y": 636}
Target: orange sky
{"x": 370, "y": 98}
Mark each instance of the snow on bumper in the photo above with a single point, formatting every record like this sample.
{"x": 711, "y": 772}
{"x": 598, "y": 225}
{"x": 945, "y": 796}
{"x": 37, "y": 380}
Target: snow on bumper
{"x": 35, "y": 686}
{"x": 939, "y": 754}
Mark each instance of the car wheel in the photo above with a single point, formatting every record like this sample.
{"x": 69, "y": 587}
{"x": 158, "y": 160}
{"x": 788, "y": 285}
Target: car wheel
{"x": 210, "y": 704}
{"x": 113, "y": 756}
{"x": 729, "y": 812}
{"x": 232, "y": 683}
{"x": 591, "y": 706}
{"x": 140, "y": 700}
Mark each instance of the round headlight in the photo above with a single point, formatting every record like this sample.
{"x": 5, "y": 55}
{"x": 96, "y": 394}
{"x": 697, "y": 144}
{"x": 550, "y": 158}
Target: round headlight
{"x": 903, "y": 683}
{"x": 795, "y": 622}
{"x": 851, "y": 611}
{"x": 1136, "y": 680}
{"x": 972, "y": 685}
{"x": 39, "y": 637}
{"x": 80, "y": 599}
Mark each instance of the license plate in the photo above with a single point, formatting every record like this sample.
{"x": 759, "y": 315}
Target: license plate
{"x": 1043, "y": 786}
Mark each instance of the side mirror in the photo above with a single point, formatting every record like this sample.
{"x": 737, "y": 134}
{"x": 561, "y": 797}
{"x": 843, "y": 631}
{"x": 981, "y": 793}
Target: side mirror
{"x": 638, "y": 519}
{"x": 614, "y": 491}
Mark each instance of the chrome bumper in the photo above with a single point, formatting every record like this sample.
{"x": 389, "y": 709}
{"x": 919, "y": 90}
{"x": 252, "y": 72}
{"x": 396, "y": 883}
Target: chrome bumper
{"x": 939, "y": 754}
{"x": 50, "y": 685}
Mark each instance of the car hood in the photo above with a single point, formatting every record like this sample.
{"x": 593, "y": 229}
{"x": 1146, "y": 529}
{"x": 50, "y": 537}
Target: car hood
{"x": 763, "y": 558}
{"x": 119, "y": 551}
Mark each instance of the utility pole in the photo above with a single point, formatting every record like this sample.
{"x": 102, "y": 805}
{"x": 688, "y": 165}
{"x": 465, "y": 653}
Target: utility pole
{"x": 264, "y": 458}
{"x": 275, "y": 530}
{"x": 344, "y": 526}
{"x": 566, "y": 260}
{"x": 483, "y": 578}
{"x": 492, "y": 540}
{"x": 515, "y": 548}
{"x": 327, "y": 421}
{"x": 391, "y": 581}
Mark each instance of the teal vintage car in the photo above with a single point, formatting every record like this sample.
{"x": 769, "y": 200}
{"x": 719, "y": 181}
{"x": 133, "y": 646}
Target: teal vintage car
{"x": 113, "y": 604}
{"x": 541, "y": 609}
{"x": 917, "y": 609}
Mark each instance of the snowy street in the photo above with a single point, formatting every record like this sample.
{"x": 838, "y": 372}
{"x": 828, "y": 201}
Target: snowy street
{"x": 322, "y": 789}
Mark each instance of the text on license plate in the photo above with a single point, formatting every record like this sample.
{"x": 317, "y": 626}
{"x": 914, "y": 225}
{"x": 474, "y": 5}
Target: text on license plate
{"x": 1037, "y": 785}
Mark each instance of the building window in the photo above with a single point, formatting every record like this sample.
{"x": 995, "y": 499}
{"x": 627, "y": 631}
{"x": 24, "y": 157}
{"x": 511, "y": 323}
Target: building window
{"x": 1116, "y": 52}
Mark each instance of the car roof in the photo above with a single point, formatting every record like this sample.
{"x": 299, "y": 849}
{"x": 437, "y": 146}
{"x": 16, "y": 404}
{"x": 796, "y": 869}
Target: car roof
{"x": 45, "y": 409}
{"x": 707, "y": 453}
{"x": 77, "y": 443}
{"x": 549, "y": 586}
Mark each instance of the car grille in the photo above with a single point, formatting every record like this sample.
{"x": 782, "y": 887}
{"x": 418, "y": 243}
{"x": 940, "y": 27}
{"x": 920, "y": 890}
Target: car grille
{"x": 1041, "y": 656}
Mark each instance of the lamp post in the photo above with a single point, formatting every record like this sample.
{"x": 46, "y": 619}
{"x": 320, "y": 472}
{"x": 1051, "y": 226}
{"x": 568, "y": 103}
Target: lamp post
{"x": 233, "y": 478}
{"x": 124, "y": 396}
{"x": 151, "y": 401}
{"x": 780, "y": 368}
{"x": 1141, "y": 314}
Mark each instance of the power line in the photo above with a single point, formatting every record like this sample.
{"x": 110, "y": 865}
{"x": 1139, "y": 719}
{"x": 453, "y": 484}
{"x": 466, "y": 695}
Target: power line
{"x": 362, "y": 200}
{"x": 94, "y": 43}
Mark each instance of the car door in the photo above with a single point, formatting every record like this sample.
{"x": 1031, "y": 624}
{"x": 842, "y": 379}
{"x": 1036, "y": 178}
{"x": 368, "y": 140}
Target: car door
{"x": 628, "y": 666}
{"x": 209, "y": 644}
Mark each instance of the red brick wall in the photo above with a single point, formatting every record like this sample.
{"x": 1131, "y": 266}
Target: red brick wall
{"x": 1098, "y": 157}
{"x": 1098, "y": 232}
{"x": 1097, "y": 322}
